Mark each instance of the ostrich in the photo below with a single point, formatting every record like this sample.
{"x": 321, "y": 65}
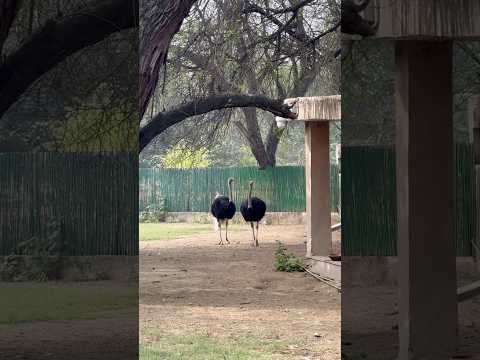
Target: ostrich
{"x": 223, "y": 209}
{"x": 253, "y": 209}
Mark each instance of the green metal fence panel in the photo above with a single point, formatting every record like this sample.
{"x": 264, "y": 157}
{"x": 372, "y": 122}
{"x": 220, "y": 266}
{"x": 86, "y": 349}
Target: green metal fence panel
{"x": 282, "y": 188}
{"x": 94, "y": 198}
{"x": 465, "y": 194}
{"x": 368, "y": 201}
{"x": 369, "y": 226}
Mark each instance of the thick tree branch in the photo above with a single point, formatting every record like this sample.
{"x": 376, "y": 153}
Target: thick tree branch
{"x": 469, "y": 51}
{"x": 163, "y": 121}
{"x": 353, "y": 23}
{"x": 60, "y": 38}
{"x": 251, "y": 7}
{"x": 8, "y": 12}
{"x": 161, "y": 20}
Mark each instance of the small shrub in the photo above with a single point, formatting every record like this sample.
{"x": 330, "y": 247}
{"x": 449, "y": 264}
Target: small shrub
{"x": 286, "y": 261}
{"x": 36, "y": 259}
{"x": 154, "y": 213}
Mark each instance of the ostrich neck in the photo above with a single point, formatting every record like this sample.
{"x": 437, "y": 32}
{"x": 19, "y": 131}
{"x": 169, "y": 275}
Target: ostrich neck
{"x": 230, "y": 192}
{"x": 250, "y": 198}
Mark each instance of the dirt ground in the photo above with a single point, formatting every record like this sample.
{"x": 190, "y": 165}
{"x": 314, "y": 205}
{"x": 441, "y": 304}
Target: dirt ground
{"x": 109, "y": 335}
{"x": 370, "y": 323}
{"x": 191, "y": 285}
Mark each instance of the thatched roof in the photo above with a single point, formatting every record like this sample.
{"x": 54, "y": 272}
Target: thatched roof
{"x": 317, "y": 108}
{"x": 419, "y": 19}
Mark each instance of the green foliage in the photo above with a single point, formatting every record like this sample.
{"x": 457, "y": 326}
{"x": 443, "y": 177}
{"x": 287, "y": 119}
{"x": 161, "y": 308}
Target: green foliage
{"x": 466, "y": 83}
{"x": 36, "y": 259}
{"x": 97, "y": 123}
{"x": 219, "y": 51}
{"x": 291, "y": 148}
{"x": 181, "y": 157}
{"x": 286, "y": 261}
{"x": 155, "y": 211}
{"x": 245, "y": 157}
{"x": 367, "y": 93}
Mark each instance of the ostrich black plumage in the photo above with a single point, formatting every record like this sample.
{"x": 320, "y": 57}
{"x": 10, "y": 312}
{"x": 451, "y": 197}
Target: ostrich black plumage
{"x": 253, "y": 210}
{"x": 223, "y": 209}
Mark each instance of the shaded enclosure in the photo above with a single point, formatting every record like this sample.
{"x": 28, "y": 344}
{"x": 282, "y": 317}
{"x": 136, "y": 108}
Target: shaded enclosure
{"x": 88, "y": 199}
{"x": 369, "y": 201}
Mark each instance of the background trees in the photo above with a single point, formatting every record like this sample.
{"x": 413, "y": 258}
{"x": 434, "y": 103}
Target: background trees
{"x": 67, "y": 74}
{"x": 368, "y": 91}
{"x": 57, "y": 80}
{"x": 274, "y": 48}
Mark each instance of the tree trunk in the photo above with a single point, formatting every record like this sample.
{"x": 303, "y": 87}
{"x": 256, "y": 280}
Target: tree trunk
{"x": 254, "y": 139}
{"x": 8, "y": 11}
{"x": 160, "y": 21}
{"x": 273, "y": 138}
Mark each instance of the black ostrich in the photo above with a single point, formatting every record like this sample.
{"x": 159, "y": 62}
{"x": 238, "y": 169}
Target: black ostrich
{"x": 253, "y": 209}
{"x": 223, "y": 209}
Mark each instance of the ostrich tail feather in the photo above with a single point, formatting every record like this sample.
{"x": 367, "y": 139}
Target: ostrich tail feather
{"x": 215, "y": 224}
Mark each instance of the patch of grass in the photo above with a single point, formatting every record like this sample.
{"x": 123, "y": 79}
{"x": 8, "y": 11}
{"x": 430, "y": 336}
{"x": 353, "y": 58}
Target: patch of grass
{"x": 286, "y": 261}
{"x": 169, "y": 231}
{"x": 205, "y": 347}
{"x": 30, "y": 302}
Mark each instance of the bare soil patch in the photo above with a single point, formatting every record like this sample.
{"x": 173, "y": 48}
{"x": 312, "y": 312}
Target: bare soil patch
{"x": 111, "y": 334}
{"x": 370, "y": 323}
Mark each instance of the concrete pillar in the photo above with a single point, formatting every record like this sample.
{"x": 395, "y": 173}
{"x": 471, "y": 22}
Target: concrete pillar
{"x": 476, "y": 242}
{"x": 317, "y": 174}
{"x": 426, "y": 200}
{"x": 474, "y": 131}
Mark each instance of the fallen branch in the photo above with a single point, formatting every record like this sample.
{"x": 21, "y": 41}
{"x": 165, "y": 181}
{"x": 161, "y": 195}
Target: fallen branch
{"x": 468, "y": 291}
{"x": 322, "y": 279}
{"x": 475, "y": 245}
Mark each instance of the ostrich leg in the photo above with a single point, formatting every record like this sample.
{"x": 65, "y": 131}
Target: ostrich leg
{"x": 226, "y": 232}
{"x": 256, "y": 238}
{"x": 220, "y": 231}
{"x": 253, "y": 232}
